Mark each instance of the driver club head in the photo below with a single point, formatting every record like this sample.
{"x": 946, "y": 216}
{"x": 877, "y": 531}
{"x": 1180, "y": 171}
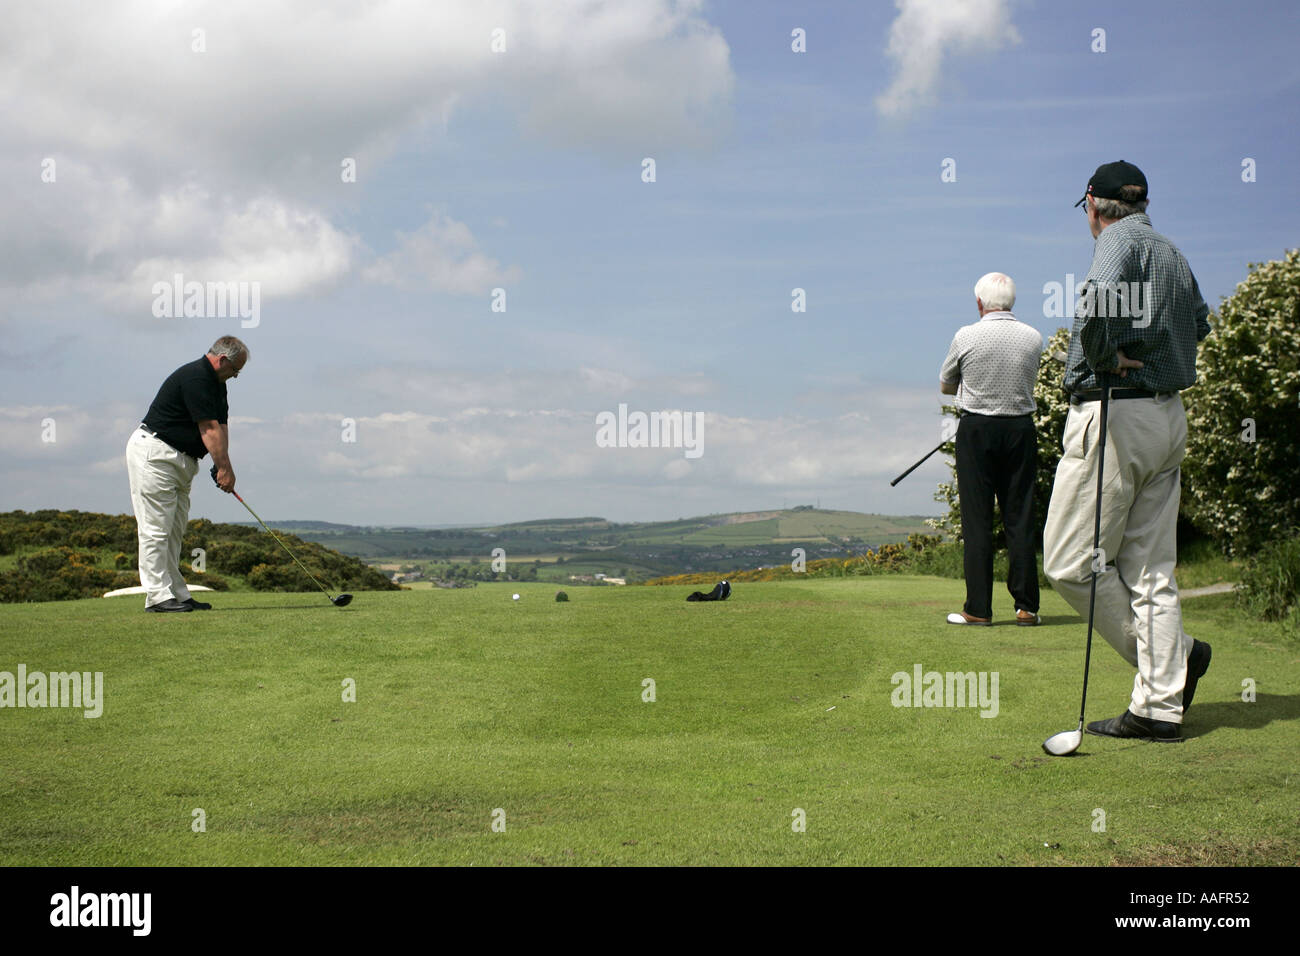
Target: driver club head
{"x": 343, "y": 600}
{"x": 1064, "y": 743}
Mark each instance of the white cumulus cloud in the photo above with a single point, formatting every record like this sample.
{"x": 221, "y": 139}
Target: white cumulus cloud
{"x": 133, "y": 146}
{"x": 928, "y": 31}
{"x": 442, "y": 255}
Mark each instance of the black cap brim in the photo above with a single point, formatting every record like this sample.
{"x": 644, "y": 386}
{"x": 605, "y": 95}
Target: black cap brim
{"x": 1081, "y": 201}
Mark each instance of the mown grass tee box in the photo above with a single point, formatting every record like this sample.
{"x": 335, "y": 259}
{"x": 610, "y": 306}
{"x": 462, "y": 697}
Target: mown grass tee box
{"x": 627, "y": 726}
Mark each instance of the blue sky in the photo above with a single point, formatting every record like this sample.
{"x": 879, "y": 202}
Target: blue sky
{"x": 522, "y": 170}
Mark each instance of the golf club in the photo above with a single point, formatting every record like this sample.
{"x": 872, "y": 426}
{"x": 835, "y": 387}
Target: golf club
{"x": 1068, "y": 741}
{"x": 919, "y": 463}
{"x": 343, "y": 600}
{"x": 1057, "y": 356}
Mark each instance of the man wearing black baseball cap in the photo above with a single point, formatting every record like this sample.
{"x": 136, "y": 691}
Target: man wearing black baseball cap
{"x": 1139, "y": 318}
{"x": 1120, "y": 180}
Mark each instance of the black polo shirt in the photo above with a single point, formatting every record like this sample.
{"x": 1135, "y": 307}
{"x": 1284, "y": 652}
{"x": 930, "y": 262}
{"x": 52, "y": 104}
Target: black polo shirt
{"x": 191, "y": 394}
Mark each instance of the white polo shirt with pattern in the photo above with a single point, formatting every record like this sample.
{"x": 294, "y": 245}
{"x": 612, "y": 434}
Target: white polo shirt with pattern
{"x": 994, "y": 363}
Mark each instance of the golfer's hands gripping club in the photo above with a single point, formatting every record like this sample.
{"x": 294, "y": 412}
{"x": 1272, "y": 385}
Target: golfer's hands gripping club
{"x": 224, "y": 478}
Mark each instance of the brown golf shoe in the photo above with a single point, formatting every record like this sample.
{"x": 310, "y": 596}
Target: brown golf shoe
{"x": 1028, "y": 618}
{"x": 961, "y": 617}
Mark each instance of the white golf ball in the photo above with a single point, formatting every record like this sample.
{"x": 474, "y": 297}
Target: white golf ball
{"x": 516, "y": 597}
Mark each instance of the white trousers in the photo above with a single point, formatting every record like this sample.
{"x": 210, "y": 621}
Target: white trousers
{"x": 1137, "y": 609}
{"x": 160, "y": 494}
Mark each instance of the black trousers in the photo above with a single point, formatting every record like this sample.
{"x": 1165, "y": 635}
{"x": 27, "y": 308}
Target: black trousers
{"x": 998, "y": 457}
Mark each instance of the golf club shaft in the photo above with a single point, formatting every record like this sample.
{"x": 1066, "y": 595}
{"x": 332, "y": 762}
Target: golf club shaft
{"x": 283, "y": 545}
{"x": 1103, "y": 380}
{"x": 919, "y": 463}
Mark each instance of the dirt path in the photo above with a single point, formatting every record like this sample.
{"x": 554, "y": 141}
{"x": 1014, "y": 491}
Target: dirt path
{"x": 1223, "y": 587}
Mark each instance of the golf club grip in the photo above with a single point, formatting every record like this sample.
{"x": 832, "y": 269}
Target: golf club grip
{"x": 919, "y": 463}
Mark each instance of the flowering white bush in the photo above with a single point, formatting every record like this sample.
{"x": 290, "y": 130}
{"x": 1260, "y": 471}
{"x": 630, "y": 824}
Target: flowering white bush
{"x": 1241, "y": 477}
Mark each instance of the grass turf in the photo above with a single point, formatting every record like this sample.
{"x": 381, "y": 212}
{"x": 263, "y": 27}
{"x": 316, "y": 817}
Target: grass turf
{"x": 780, "y": 699}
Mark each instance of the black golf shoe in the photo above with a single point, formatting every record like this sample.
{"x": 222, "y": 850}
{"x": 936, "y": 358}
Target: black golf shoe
{"x": 171, "y": 604}
{"x": 197, "y": 605}
{"x": 1198, "y": 662}
{"x": 1133, "y": 727}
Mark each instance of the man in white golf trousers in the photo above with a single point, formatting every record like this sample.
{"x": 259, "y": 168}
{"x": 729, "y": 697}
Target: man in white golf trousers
{"x": 1139, "y": 299}
{"x": 187, "y": 421}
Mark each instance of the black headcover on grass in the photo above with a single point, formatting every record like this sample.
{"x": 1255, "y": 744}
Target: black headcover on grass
{"x": 721, "y": 591}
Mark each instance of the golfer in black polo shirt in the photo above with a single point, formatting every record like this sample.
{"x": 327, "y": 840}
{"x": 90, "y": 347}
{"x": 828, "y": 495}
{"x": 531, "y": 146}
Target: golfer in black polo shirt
{"x": 991, "y": 367}
{"x": 187, "y": 420}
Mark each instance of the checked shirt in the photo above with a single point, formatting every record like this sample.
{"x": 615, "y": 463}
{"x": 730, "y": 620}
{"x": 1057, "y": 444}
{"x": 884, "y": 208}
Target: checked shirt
{"x": 1160, "y": 316}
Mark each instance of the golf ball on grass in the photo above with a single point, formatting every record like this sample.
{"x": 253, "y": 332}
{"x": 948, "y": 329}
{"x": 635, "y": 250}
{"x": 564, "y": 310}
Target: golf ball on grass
{"x": 515, "y": 598}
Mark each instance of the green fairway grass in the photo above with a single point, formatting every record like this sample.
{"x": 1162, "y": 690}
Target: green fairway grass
{"x": 776, "y": 701}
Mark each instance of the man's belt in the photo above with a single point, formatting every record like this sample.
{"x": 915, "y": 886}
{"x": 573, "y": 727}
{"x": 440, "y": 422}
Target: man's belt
{"x": 1094, "y": 395}
{"x": 149, "y": 431}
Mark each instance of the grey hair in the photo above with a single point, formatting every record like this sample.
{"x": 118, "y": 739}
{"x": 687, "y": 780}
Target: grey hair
{"x": 1115, "y": 209}
{"x": 230, "y": 347}
{"x": 996, "y": 291}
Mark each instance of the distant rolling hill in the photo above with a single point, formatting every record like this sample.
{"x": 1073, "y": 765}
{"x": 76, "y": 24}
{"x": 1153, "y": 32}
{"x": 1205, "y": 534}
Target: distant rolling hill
{"x": 708, "y": 542}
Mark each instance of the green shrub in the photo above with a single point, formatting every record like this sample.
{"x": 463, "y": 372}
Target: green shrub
{"x": 88, "y": 538}
{"x": 1240, "y": 485}
{"x": 53, "y": 588}
{"x": 64, "y": 563}
{"x": 1270, "y": 584}
{"x": 278, "y": 577}
{"x": 237, "y": 557}
{"x": 87, "y": 581}
{"x": 944, "y": 560}
{"x": 14, "y": 587}
{"x": 39, "y": 532}
{"x": 52, "y": 560}
{"x": 121, "y": 532}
